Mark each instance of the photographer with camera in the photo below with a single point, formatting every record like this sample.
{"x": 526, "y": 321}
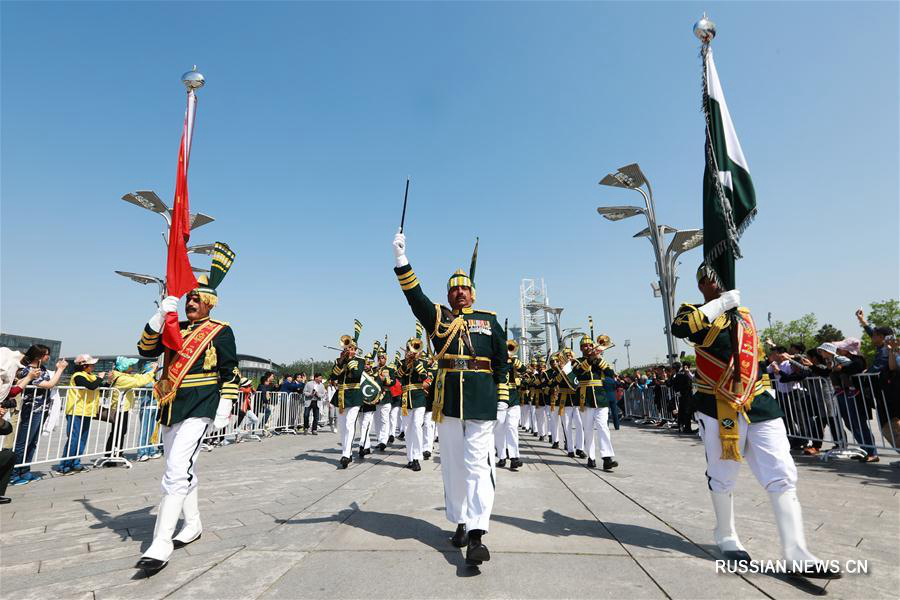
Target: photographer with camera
{"x": 34, "y": 407}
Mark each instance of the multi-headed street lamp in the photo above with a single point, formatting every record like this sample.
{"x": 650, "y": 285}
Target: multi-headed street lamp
{"x": 632, "y": 178}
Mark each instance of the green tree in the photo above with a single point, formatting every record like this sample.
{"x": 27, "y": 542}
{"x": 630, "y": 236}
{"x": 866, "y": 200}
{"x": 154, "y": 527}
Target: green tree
{"x": 828, "y": 333}
{"x": 799, "y": 330}
{"x": 881, "y": 314}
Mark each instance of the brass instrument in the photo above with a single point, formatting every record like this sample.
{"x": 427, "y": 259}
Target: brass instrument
{"x": 414, "y": 345}
{"x": 346, "y": 342}
{"x": 604, "y": 342}
{"x": 512, "y": 347}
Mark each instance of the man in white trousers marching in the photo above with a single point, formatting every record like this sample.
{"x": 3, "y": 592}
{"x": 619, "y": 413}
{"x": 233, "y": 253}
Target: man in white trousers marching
{"x": 470, "y": 349}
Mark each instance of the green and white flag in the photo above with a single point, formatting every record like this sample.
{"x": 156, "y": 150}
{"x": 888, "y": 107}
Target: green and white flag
{"x": 729, "y": 201}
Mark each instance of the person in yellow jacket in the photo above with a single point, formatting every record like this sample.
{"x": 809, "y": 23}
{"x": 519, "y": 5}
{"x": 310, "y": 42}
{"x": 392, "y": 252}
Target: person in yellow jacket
{"x": 123, "y": 381}
{"x": 82, "y": 405}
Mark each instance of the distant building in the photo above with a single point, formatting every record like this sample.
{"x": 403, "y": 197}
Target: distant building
{"x": 23, "y": 342}
{"x": 253, "y": 367}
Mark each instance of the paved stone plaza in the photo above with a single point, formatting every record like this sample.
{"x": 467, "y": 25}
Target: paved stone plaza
{"x": 281, "y": 521}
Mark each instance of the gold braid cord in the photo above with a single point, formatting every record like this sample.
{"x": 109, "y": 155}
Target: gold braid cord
{"x": 445, "y": 333}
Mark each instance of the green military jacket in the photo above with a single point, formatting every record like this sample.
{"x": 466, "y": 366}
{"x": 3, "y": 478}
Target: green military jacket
{"x": 214, "y": 375}
{"x": 348, "y": 375}
{"x": 413, "y": 378}
{"x": 429, "y": 394}
{"x": 590, "y": 372}
{"x": 715, "y": 338}
{"x": 541, "y": 387}
{"x": 567, "y": 395}
{"x": 514, "y": 380}
{"x": 461, "y": 392}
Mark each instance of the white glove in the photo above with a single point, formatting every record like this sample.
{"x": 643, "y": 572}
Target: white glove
{"x": 400, "y": 249}
{"x": 169, "y": 304}
{"x": 223, "y": 414}
{"x": 714, "y": 308}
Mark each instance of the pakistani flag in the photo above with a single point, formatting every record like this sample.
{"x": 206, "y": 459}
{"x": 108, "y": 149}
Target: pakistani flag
{"x": 729, "y": 202}
{"x": 369, "y": 388}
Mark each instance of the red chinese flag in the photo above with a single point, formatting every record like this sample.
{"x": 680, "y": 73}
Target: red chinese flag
{"x": 179, "y": 277}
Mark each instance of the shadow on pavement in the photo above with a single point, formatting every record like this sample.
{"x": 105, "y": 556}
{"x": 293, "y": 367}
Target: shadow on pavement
{"x": 128, "y": 524}
{"x": 397, "y": 527}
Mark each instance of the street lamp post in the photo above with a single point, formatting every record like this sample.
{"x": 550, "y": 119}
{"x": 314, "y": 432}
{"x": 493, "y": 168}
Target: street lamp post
{"x": 631, "y": 177}
{"x": 628, "y": 352}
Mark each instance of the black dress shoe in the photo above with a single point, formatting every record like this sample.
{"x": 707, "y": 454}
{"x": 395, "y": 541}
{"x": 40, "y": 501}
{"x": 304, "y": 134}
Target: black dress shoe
{"x": 571, "y": 455}
{"x": 501, "y": 463}
{"x": 368, "y": 451}
{"x": 390, "y": 439}
{"x": 476, "y": 552}
{"x": 515, "y": 463}
{"x": 409, "y": 465}
{"x": 179, "y": 544}
{"x": 151, "y": 566}
{"x": 555, "y": 445}
{"x": 361, "y": 454}
{"x": 401, "y": 437}
{"x": 541, "y": 438}
{"x": 416, "y": 466}
{"x": 381, "y": 447}
{"x": 609, "y": 463}
{"x": 5, "y": 500}
{"x": 739, "y": 557}
{"x": 426, "y": 455}
{"x": 460, "y": 539}
{"x": 345, "y": 460}
{"x": 580, "y": 454}
{"x": 592, "y": 464}
{"x": 819, "y": 570}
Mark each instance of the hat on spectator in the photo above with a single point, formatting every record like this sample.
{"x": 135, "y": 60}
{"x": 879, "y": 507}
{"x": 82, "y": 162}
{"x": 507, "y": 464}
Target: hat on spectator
{"x": 123, "y": 363}
{"x": 850, "y": 345}
{"x": 245, "y": 382}
{"x": 828, "y": 347}
{"x": 85, "y": 359}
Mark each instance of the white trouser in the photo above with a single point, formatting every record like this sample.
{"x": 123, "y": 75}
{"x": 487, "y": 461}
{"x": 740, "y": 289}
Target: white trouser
{"x": 365, "y": 428}
{"x": 181, "y": 443}
{"x": 572, "y": 419}
{"x": 500, "y": 431}
{"x": 383, "y": 422}
{"x": 467, "y": 468}
{"x": 403, "y": 421}
{"x": 765, "y": 447}
{"x": 594, "y": 421}
{"x": 346, "y": 429}
{"x": 538, "y": 425}
{"x": 544, "y": 420}
{"x": 394, "y": 426}
{"x": 428, "y": 432}
{"x": 526, "y": 416}
{"x": 413, "y": 422}
{"x": 554, "y": 423}
{"x": 512, "y": 431}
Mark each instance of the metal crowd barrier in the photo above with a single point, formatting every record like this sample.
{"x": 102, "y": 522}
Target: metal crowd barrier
{"x": 66, "y": 425}
{"x": 651, "y": 405}
{"x": 856, "y": 417}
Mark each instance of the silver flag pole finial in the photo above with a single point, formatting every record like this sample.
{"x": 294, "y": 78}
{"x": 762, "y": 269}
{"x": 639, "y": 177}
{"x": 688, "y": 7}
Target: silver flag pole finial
{"x": 705, "y": 29}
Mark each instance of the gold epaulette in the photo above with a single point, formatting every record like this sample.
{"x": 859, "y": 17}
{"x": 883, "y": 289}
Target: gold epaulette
{"x": 490, "y": 312}
{"x": 218, "y": 322}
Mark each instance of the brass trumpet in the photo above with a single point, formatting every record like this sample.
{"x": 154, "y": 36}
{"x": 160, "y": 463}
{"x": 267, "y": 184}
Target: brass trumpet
{"x": 512, "y": 346}
{"x": 346, "y": 342}
{"x": 414, "y": 345}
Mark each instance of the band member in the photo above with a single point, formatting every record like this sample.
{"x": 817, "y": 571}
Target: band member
{"x": 553, "y": 405}
{"x": 347, "y": 371}
{"x": 384, "y": 375}
{"x": 366, "y": 415}
{"x": 525, "y": 397}
{"x": 396, "y": 400}
{"x": 413, "y": 373}
{"x": 569, "y": 410}
{"x": 197, "y": 388}
{"x": 743, "y": 421}
{"x": 542, "y": 396}
{"x": 506, "y": 431}
{"x": 592, "y": 403}
{"x": 470, "y": 348}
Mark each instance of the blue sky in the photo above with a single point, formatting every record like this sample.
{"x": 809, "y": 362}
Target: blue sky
{"x": 505, "y": 115}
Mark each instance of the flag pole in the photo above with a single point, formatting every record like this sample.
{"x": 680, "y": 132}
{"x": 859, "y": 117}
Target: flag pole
{"x": 705, "y": 30}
